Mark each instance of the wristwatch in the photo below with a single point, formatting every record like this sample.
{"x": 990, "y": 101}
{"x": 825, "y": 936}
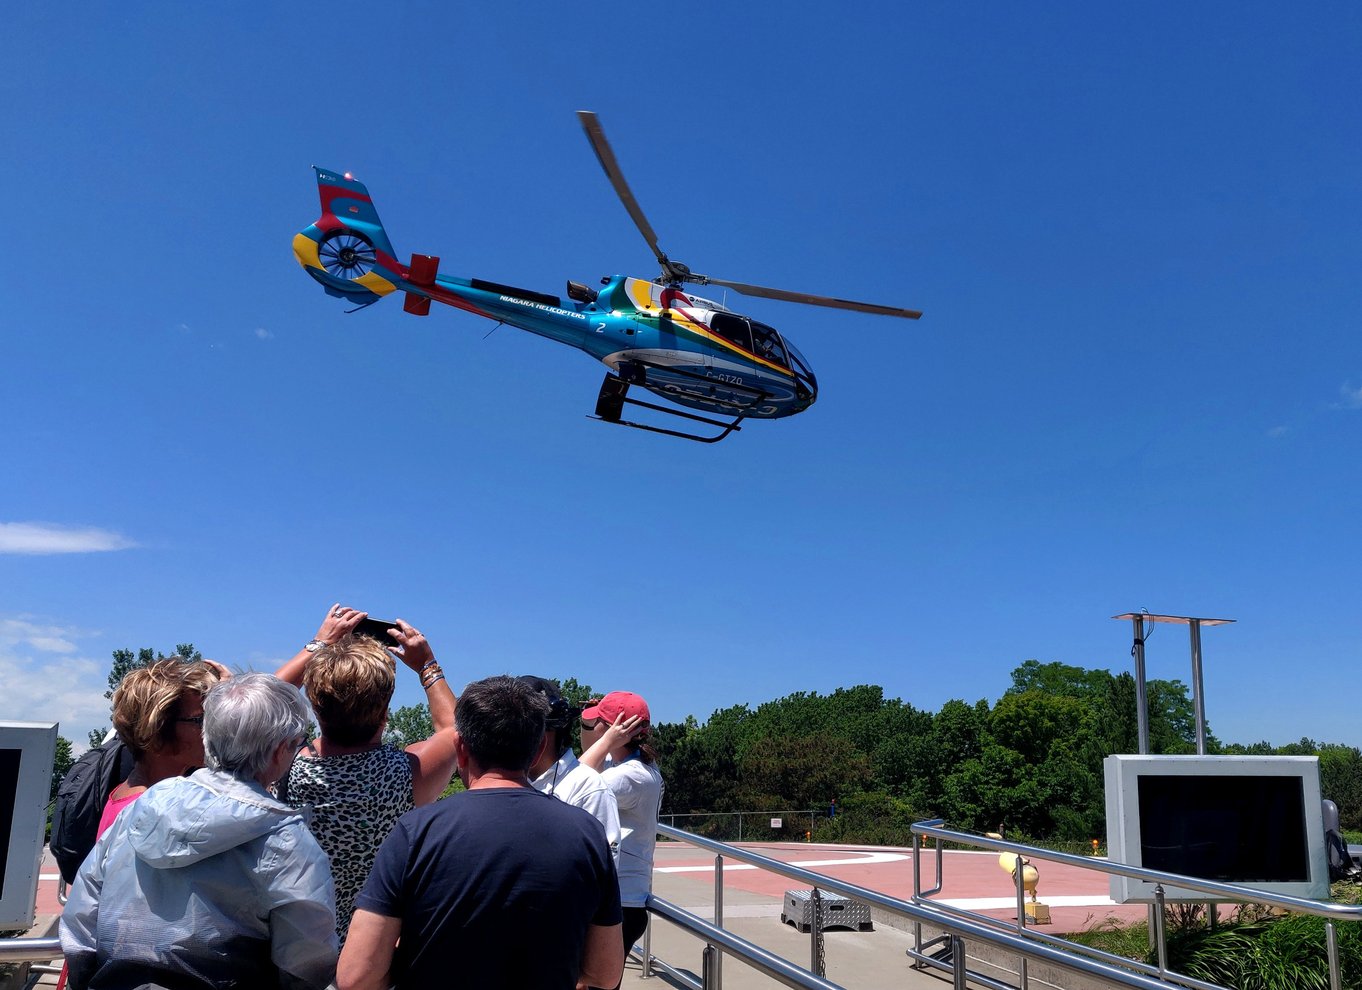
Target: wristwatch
{"x": 314, "y": 646}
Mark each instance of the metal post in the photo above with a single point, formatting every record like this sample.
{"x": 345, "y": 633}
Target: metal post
{"x": 959, "y": 969}
{"x": 1021, "y": 895}
{"x": 719, "y": 891}
{"x": 1198, "y": 693}
{"x": 815, "y": 927}
{"x": 1160, "y": 941}
{"x": 707, "y": 960}
{"x": 1142, "y": 721}
{"x": 1141, "y": 697}
{"x": 740, "y": 826}
{"x": 917, "y": 869}
{"x": 648, "y": 949}
{"x": 1331, "y": 945}
{"x": 718, "y": 919}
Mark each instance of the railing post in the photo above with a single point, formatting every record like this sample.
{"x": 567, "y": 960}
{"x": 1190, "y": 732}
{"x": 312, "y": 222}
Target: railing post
{"x": 959, "y": 969}
{"x": 1331, "y": 945}
{"x": 708, "y": 977}
{"x": 1159, "y": 940}
{"x": 1021, "y": 894}
{"x": 718, "y": 919}
{"x": 648, "y": 949}
{"x": 815, "y": 931}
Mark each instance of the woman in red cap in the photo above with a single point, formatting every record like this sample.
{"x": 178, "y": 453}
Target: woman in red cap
{"x": 615, "y": 733}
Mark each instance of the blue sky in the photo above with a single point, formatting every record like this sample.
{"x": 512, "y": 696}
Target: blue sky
{"x": 1138, "y": 383}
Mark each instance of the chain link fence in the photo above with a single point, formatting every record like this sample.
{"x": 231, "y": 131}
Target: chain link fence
{"x": 749, "y": 826}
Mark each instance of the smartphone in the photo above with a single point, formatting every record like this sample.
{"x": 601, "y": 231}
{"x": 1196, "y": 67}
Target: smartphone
{"x": 377, "y": 629}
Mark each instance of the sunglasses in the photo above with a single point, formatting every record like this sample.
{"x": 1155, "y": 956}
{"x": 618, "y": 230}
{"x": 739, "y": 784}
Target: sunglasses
{"x": 592, "y": 723}
{"x": 192, "y": 720}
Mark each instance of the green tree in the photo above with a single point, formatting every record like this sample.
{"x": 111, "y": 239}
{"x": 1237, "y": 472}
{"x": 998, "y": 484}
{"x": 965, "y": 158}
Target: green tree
{"x": 1059, "y": 678}
{"x": 409, "y": 724}
{"x": 800, "y": 772}
{"x": 125, "y": 661}
{"x": 61, "y": 763}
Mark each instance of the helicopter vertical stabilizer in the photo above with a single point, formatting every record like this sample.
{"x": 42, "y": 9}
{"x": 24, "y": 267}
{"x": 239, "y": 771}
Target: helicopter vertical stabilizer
{"x": 346, "y": 249}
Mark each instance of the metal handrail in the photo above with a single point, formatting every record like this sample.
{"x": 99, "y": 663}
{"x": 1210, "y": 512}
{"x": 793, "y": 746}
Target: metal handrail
{"x": 1222, "y": 891}
{"x": 18, "y": 950}
{"x": 779, "y": 969}
{"x": 1229, "y": 891}
{"x": 923, "y": 912}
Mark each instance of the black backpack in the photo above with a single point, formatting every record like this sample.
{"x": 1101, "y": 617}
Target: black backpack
{"x": 81, "y": 797}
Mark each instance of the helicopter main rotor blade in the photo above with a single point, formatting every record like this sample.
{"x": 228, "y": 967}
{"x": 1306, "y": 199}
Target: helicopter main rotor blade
{"x": 606, "y": 156}
{"x": 804, "y": 297}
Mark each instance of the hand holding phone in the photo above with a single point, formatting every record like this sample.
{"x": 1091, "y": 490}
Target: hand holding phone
{"x": 378, "y": 629}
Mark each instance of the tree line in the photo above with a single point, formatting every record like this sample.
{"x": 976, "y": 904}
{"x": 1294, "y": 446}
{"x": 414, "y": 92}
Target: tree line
{"x": 1029, "y": 763}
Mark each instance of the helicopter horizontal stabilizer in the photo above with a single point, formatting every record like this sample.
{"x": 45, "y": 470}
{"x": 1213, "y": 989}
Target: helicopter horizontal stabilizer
{"x": 422, "y": 272}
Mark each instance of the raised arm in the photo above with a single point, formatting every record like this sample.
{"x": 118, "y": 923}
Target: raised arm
{"x": 433, "y": 758}
{"x": 340, "y": 620}
{"x": 621, "y": 731}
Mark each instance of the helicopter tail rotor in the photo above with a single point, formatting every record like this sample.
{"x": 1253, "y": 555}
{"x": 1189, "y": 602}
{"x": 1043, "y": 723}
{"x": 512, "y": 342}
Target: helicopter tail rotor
{"x": 346, "y": 249}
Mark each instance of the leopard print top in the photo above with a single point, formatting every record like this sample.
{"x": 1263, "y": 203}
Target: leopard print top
{"x": 355, "y": 800}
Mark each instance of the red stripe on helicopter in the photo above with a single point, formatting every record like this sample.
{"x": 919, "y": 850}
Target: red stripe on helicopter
{"x": 450, "y": 299}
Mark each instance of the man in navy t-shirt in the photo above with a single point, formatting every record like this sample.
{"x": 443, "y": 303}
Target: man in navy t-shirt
{"x": 500, "y": 886}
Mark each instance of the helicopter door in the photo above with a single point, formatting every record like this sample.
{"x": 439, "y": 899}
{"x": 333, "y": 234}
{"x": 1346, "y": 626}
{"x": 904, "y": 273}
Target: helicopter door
{"x": 732, "y": 328}
{"x": 767, "y": 344}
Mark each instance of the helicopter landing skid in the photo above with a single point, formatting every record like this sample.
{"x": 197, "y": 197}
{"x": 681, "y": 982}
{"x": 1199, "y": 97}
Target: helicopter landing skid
{"x": 614, "y": 396}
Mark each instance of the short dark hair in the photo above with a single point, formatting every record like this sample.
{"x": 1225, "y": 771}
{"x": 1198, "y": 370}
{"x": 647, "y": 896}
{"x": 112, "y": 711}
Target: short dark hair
{"x": 501, "y": 721}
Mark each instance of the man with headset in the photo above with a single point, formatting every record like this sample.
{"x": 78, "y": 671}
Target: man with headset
{"x": 556, "y": 771}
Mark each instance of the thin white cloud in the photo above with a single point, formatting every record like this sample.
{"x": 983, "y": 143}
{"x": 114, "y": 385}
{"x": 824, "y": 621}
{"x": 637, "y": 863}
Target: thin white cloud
{"x": 1278, "y": 431}
{"x": 47, "y": 679}
{"x": 45, "y": 538}
{"x": 263, "y": 334}
{"x": 1352, "y": 396}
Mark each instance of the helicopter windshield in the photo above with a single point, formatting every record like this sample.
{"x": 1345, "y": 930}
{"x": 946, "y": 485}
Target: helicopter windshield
{"x": 800, "y": 364}
{"x": 767, "y": 344}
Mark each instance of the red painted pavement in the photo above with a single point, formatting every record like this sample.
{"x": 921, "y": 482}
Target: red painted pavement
{"x": 965, "y": 875}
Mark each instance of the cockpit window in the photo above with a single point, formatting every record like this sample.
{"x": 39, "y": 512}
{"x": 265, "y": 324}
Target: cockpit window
{"x": 768, "y": 344}
{"x": 733, "y": 328}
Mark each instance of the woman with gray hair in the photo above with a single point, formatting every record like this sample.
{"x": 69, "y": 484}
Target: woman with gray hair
{"x": 208, "y": 881}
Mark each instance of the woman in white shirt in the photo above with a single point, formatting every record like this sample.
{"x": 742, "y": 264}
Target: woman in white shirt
{"x": 615, "y": 733}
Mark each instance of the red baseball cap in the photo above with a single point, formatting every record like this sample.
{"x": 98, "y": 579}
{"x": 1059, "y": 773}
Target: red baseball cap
{"x": 615, "y": 704}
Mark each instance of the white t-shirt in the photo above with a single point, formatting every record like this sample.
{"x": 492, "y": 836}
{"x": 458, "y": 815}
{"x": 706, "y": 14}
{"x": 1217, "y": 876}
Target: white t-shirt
{"x": 575, "y": 783}
{"x": 637, "y": 787}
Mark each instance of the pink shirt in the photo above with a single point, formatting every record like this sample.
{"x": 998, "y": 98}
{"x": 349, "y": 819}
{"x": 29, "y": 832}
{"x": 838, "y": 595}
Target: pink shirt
{"x": 112, "y": 807}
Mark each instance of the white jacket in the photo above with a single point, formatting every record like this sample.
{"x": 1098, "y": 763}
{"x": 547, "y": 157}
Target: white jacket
{"x": 207, "y": 882}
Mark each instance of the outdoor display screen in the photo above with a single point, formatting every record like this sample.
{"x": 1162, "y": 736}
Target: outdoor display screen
{"x": 9, "y": 793}
{"x": 1235, "y": 829}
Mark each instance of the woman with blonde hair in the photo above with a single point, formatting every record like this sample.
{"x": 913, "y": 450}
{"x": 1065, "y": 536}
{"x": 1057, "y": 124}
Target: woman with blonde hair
{"x": 158, "y": 714}
{"x": 356, "y": 785}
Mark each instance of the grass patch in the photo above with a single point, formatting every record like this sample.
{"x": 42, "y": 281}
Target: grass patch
{"x": 1256, "y": 951}
{"x": 1109, "y": 935}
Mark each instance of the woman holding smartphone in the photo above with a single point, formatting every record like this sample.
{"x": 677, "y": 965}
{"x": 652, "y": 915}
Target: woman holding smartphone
{"x": 356, "y": 785}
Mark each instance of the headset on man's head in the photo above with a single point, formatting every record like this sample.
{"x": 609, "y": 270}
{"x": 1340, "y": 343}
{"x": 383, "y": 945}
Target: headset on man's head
{"x": 562, "y": 713}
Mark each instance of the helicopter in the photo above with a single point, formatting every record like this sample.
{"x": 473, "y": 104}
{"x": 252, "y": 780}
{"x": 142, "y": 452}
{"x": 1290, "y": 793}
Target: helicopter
{"x": 693, "y": 352}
